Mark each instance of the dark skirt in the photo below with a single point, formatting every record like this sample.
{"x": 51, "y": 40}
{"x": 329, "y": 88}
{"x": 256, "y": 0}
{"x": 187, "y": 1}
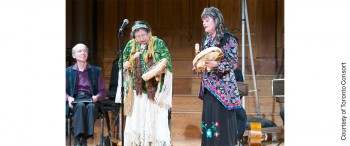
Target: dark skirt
{"x": 218, "y": 124}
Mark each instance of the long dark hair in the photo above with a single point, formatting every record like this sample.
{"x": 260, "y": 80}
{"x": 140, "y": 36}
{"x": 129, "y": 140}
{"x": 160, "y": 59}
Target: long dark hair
{"x": 218, "y": 18}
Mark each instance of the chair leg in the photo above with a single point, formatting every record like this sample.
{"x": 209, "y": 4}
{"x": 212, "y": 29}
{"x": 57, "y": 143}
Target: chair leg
{"x": 107, "y": 120}
{"x": 115, "y": 124}
{"x": 69, "y": 133}
{"x": 101, "y": 128}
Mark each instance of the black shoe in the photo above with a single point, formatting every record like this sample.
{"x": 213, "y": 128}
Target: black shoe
{"x": 77, "y": 144}
{"x": 84, "y": 141}
{"x": 77, "y": 141}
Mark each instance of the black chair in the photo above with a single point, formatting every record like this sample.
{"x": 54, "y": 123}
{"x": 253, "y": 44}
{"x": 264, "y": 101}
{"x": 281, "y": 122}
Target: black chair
{"x": 109, "y": 104}
{"x": 69, "y": 116}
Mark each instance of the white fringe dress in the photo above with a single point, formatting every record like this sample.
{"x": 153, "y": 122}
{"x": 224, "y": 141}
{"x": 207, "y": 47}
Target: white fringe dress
{"x": 148, "y": 123}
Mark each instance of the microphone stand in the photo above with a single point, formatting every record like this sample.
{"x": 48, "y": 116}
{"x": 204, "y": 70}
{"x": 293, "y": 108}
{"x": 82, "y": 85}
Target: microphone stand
{"x": 120, "y": 39}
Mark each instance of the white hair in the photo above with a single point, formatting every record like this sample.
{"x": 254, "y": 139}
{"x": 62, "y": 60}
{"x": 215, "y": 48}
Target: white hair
{"x": 77, "y": 46}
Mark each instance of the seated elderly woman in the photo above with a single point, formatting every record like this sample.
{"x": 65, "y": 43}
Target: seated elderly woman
{"x": 84, "y": 88}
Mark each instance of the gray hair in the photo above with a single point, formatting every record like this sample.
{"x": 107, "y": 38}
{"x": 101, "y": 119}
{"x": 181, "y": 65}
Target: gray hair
{"x": 77, "y": 46}
{"x": 139, "y": 25}
{"x": 216, "y": 15}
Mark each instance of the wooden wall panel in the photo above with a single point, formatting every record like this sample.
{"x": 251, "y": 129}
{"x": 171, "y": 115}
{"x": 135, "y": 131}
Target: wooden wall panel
{"x": 69, "y": 21}
{"x": 196, "y": 21}
{"x": 140, "y": 10}
{"x": 178, "y": 23}
{"x": 231, "y": 10}
{"x": 268, "y": 30}
{"x": 110, "y": 29}
{"x": 267, "y": 40}
{"x": 280, "y": 39}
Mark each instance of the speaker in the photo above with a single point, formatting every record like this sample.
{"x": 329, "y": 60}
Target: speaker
{"x": 242, "y": 88}
{"x": 278, "y": 87}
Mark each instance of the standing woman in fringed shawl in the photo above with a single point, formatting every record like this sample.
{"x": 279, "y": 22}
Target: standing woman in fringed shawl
{"x": 146, "y": 102}
{"x": 219, "y": 90}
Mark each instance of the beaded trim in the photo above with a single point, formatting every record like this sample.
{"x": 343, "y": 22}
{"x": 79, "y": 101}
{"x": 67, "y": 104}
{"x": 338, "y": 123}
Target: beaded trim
{"x": 138, "y": 26}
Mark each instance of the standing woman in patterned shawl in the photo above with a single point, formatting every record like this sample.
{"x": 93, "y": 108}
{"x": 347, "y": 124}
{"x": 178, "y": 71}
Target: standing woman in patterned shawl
{"x": 146, "y": 102}
{"x": 219, "y": 90}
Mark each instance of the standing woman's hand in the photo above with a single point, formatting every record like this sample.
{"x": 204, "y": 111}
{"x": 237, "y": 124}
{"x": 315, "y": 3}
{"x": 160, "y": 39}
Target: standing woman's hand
{"x": 211, "y": 64}
{"x": 126, "y": 65}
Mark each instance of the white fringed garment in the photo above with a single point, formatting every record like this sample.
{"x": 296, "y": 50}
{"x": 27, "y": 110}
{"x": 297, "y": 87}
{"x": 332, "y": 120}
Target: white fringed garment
{"x": 148, "y": 124}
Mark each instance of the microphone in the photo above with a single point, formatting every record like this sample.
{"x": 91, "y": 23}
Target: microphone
{"x": 125, "y": 22}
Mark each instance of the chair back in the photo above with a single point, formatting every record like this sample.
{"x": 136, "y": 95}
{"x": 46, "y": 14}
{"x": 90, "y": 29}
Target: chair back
{"x": 113, "y": 82}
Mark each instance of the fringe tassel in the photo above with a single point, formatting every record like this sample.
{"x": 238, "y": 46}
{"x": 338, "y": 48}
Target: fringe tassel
{"x": 128, "y": 93}
{"x": 129, "y": 98}
{"x": 164, "y": 97}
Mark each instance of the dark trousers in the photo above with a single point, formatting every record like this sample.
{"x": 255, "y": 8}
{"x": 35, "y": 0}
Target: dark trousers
{"x": 85, "y": 115}
{"x": 282, "y": 114}
{"x": 241, "y": 117}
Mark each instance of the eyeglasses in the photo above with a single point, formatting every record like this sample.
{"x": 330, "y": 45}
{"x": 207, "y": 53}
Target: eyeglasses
{"x": 141, "y": 36}
{"x": 82, "y": 50}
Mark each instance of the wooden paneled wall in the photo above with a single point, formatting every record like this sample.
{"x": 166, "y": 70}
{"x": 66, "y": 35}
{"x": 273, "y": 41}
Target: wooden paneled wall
{"x": 178, "y": 23}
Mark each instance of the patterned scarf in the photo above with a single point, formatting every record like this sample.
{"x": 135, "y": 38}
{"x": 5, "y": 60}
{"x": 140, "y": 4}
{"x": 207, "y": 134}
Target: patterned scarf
{"x": 136, "y": 67}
